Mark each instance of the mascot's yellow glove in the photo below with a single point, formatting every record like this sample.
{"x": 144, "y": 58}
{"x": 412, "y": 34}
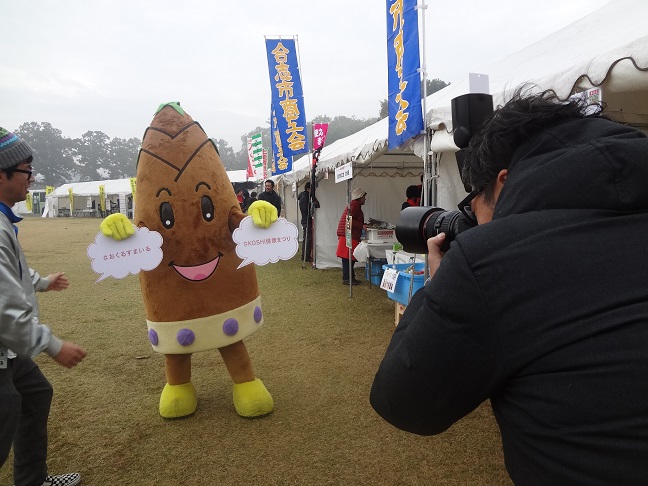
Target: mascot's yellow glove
{"x": 118, "y": 226}
{"x": 263, "y": 213}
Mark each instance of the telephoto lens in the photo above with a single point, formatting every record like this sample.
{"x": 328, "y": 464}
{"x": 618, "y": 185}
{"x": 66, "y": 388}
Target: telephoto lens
{"x": 419, "y": 223}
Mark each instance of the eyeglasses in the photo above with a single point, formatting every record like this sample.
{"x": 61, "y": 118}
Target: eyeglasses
{"x": 466, "y": 209}
{"x": 23, "y": 171}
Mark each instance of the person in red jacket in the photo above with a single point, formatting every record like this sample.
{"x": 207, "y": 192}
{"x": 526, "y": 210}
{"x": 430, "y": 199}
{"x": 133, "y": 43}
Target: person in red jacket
{"x": 358, "y": 197}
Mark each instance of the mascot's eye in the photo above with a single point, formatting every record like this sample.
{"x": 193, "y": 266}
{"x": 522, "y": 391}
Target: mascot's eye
{"x": 166, "y": 215}
{"x": 207, "y": 207}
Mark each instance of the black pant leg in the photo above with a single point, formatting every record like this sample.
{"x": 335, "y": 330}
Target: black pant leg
{"x": 9, "y": 410}
{"x": 30, "y": 439}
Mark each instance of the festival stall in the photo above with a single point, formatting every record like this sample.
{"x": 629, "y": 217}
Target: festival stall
{"x": 84, "y": 199}
{"x": 607, "y": 49}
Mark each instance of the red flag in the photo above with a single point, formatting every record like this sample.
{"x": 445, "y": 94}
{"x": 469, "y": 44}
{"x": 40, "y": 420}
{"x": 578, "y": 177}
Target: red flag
{"x": 319, "y": 136}
{"x": 250, "y": 168}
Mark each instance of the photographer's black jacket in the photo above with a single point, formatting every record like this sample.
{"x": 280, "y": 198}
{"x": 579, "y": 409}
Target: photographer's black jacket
{"x": 544, "y": 311}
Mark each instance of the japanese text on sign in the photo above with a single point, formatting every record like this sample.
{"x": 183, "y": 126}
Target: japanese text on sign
{"x": 396, "y": 10}
{"x": 284, "y": 85}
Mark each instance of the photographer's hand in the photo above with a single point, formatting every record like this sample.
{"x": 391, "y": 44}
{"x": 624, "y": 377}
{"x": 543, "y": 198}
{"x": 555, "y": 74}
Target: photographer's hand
{"x": 434, "y": 252}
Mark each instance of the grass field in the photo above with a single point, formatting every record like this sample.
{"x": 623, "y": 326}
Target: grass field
{"x": 317, "y": 354}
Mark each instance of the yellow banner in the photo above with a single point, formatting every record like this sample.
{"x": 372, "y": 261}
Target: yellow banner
{"x": 133, "y": 182}
{"x": 28, "y": 202}
{"x": 71, "y": 201}
{"x": 48, "y": 190}
{"x": 102, "y": 197}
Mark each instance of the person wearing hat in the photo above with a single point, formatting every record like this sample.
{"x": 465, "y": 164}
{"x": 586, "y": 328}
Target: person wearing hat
{"x": 358, "y": 197}
{"x": 25, "y": 393}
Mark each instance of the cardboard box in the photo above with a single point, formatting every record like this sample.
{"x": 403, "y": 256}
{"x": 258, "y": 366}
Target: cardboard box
{"x": 378, "y": 235}
{"x": 398, "y": 312}
{"x": 401, "y": 290}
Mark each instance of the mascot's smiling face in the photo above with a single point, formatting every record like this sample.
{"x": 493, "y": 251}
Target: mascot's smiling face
{"x": 183, "y": 193}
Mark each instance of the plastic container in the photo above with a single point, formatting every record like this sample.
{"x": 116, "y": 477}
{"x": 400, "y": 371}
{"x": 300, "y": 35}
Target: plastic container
{"x": 401, "y": 290}
{"x": 379, "y": 235}
{"x": 374, "y": 272}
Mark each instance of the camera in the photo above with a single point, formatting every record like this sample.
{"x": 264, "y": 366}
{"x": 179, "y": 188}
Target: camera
{"x": 418, "y": 223}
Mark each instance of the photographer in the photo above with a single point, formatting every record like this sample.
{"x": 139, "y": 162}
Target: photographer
{"x": 544, "y": 310}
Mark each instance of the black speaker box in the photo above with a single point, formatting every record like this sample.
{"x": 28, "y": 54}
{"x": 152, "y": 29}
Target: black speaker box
{"x": 468, "y": 114}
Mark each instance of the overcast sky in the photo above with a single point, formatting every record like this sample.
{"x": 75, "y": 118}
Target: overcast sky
{"x": 106, "y": 65}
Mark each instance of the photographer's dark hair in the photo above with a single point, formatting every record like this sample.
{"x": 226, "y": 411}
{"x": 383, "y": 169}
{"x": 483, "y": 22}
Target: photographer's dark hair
{"x": 523, "y": 116}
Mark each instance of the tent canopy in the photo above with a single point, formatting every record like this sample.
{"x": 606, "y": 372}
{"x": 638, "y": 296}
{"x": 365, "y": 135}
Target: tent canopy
{"x": 607, "y": 48}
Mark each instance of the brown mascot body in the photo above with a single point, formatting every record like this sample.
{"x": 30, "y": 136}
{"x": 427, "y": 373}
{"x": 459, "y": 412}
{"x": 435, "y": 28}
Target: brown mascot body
{"x": 197, "y": 298}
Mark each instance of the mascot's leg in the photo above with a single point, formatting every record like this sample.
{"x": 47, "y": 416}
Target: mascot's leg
{"x": 178, "y": 398}
{"x": 251, "y": 398}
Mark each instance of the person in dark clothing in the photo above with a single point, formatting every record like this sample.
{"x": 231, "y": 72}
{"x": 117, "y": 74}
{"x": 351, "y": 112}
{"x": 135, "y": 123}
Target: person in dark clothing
{"x": 543, "y": 307}
{"x": 413, "y": 194}
{"x": 304, "y": 200}
{"x": 271, "y": 196}
{"x": 249, "y": 200}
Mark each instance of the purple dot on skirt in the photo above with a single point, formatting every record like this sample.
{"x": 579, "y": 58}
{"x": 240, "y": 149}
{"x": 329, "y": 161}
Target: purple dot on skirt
{"x": 258, "y": 314}
{"x": 185, "y": 337}
{"x": 230, "y": 327}
{"x": 153, "y": 337}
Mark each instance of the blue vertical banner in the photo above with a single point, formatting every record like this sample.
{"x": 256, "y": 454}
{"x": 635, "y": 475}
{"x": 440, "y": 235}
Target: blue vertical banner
{"x": 404, "y": 78}
{"x": 278, "y": 159}
{"x": 287, "y": 101}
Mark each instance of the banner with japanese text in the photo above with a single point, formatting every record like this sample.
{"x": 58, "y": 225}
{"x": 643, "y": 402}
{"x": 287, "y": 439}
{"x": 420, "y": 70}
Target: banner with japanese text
{"x": 49, "y": 190}
{"x": 319, "y": 137}
{"x": 279, "y": 162}
{"x": 133, "y": 184}
{"x": 287, "y": 98}
{"x": 257, "y": 156}
{"x": 250, "y": 168}
{"x": 71, "y": 196}
{"x": 28, "y": 202}
{"x": 102, "y": 197}
{"x": 403, "y": 66}
{"x": 265, "y": 164}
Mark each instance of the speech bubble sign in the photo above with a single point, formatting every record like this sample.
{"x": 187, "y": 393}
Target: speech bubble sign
{"x": 113, "y": 258}
{"x": 265, "y": 245}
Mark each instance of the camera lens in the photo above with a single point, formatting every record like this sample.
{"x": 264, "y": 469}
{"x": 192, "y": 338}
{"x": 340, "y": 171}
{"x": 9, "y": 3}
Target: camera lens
{"x": 419, "y": 223}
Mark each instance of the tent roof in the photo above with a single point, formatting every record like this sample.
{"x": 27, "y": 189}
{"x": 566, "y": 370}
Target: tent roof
{"x": 607, "y": 48}
{"x": 119, "y": 186}
{"x": 91, "y": 188}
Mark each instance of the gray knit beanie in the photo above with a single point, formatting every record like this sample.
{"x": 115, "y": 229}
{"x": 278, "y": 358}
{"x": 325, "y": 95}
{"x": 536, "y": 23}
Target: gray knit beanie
{"x": 13, "y": 150}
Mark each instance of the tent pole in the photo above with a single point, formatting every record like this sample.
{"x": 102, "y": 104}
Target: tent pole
{"x": 426, "y": 168}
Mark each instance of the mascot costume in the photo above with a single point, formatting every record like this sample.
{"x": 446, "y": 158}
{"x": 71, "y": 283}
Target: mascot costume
{"x": 197, "y": 298}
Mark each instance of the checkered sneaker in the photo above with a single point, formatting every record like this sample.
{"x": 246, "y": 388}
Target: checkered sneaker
{"x": 71, "y": 479}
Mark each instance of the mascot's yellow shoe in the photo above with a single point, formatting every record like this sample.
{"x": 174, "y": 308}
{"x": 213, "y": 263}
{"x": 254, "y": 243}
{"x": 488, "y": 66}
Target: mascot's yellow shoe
{"x": 252, "y": 399}
{"x": 178, "y": 400}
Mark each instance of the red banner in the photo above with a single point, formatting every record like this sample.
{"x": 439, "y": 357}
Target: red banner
{"x": 250, "y": 168}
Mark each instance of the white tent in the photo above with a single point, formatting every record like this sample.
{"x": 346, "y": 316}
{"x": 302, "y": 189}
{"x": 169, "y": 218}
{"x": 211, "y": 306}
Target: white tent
{"x": 118, "y": 194}
{"x": 86, "y": 198}
{"x": 607, "y": 48}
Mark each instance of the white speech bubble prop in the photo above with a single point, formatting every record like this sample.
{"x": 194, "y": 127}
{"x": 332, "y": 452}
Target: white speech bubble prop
{"x": 265, "y": 245}
{"x": 112, "y": 258}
